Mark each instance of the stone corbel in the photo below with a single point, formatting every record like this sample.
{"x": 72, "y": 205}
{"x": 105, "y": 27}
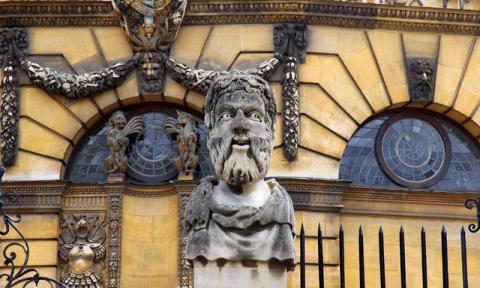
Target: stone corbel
{"x": 290, "y": 42}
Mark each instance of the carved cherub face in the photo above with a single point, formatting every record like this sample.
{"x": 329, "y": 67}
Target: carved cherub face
{"x": 119, "y": 121}
{"x": 241, "y": 140}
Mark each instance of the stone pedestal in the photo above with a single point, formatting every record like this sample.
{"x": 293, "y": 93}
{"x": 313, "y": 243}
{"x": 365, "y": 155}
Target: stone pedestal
{"x": 115, "y": 177}
{"x": 237, "y": 275}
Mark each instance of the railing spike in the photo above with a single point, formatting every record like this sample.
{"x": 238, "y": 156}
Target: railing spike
{"x": 381, "y": 255}
{"x": 463, "y": 242}
{"x": 302, "y": 258}
{"x": 424, "y": 257}
{"x": 403, "y": 273}
{"x": 361, "y": 256}
{"x": 444, "y": 257}
{"x": 321, "y": 273}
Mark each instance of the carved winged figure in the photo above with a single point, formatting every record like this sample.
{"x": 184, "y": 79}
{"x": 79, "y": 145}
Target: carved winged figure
{"x": 117, "y": 140}
{"x": 81, "y": 247}
{"x": 184, "y": 130}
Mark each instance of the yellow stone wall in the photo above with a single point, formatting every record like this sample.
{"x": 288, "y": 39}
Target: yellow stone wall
{"x": 41, "y": 231}
{"x": 149, "y": 242}
{"x": 349, "y": 75}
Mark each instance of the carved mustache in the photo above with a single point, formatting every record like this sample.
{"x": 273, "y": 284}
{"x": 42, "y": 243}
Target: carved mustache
{"x": 259, "y": 150}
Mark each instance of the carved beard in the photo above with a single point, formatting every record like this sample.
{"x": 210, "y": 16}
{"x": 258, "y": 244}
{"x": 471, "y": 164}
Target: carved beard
{"x": 238, "y": 165}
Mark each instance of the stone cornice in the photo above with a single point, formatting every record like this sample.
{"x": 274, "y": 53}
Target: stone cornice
{"x": 343, "y": 14}
{"x": 307, "y": 195}
{"x": 57, "y": 13}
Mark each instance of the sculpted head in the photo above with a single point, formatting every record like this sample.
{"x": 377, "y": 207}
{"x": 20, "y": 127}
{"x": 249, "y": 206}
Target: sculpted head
{"x": 240, "y": 119}
{"x": 118, "y": 120}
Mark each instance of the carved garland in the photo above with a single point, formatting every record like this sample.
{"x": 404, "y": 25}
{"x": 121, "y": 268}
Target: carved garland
{"x": 10, "y": 39}
{"x": 76, "y": 86}
{"x": 290, "y": 41}
{"x": 12, "y": 43}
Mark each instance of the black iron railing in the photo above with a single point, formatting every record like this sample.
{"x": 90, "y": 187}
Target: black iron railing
{"x": 17, "y": 275}
{"x": 381, "y": 257}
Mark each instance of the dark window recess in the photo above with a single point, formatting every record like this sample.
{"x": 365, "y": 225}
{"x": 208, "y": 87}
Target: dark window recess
{"x": 150, "y": 155}
{"x": 413, "y": 151}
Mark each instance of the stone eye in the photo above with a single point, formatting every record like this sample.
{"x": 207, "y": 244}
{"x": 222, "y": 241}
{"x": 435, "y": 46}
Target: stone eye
{"x": 254, "y": 116}
{"x": 226, "y": 116}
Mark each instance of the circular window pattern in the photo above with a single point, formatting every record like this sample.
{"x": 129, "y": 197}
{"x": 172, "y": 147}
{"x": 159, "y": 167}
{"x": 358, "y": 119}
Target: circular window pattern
{"x": 412, "y": 150}
{"x": 150, "y": 156}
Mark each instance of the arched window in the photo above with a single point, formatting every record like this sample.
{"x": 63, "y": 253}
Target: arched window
{"x": 412, "y": 149}
{"x": 150, "y": 154}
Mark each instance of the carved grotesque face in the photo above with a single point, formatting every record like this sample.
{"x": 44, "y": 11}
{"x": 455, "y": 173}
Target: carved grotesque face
{"x": 151, "y": 67}
{"x": 240, "y": 140}
{"x": 81, "y": 227}
{"x": 119, "y": 121}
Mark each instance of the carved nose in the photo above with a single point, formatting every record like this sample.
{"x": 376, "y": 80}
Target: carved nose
{"x": 239, "y": 124}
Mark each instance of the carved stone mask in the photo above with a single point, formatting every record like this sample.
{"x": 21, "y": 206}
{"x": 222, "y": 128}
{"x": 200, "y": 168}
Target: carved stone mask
{"x": 118, "y": 120}
{"x": 240, "y": 128}
{"x": 151, "y": 67}
{"x": 81, "y": 228}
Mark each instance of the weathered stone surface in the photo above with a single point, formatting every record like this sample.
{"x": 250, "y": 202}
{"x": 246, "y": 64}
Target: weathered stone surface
{"x": 37, "y": 139}
{"x": 454, "y": 50}
{"x": 239, "y": 216}
{"x": 45, "y": 168}
{"x": 236, "y": 275}
{"x": 387, "y": 47}
{"x": 150, "y": 227}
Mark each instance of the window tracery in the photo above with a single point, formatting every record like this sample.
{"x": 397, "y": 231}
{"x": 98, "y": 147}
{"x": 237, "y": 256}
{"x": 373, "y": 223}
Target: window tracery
{"x": 412, "y": 150}
{"x": 151, "y": 154}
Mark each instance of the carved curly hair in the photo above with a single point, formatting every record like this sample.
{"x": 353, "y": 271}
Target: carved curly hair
{"x": 242, "y": 82}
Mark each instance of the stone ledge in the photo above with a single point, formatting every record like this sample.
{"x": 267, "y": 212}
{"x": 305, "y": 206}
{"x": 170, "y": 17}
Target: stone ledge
{"x": 333, "y": 13}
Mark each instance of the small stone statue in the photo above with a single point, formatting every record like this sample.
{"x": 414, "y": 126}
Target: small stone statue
{"x": 184, "y": 130}
{"x": 117, "y": 142}
{"x": 238, "y": 216}
{"x": 81, "y": 247}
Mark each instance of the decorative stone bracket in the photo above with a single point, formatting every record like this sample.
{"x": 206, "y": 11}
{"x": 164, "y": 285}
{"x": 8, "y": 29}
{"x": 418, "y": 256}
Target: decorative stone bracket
{"x": 290, "y": 40}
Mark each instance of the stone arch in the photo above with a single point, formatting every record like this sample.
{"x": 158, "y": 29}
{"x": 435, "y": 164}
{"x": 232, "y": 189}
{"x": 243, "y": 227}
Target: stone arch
{"x": 133, "y": 109}
{"x": 453, "y": 166}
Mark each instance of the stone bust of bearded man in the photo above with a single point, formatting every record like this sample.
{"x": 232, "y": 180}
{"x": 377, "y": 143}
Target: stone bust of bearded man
{"x": 238, "y": 215}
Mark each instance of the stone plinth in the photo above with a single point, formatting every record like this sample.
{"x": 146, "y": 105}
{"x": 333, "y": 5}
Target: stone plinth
{"x": 237, "y": 275}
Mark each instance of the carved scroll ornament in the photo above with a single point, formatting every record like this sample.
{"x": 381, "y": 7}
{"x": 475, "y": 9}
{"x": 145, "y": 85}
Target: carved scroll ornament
{"x": 290, "y": 41}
